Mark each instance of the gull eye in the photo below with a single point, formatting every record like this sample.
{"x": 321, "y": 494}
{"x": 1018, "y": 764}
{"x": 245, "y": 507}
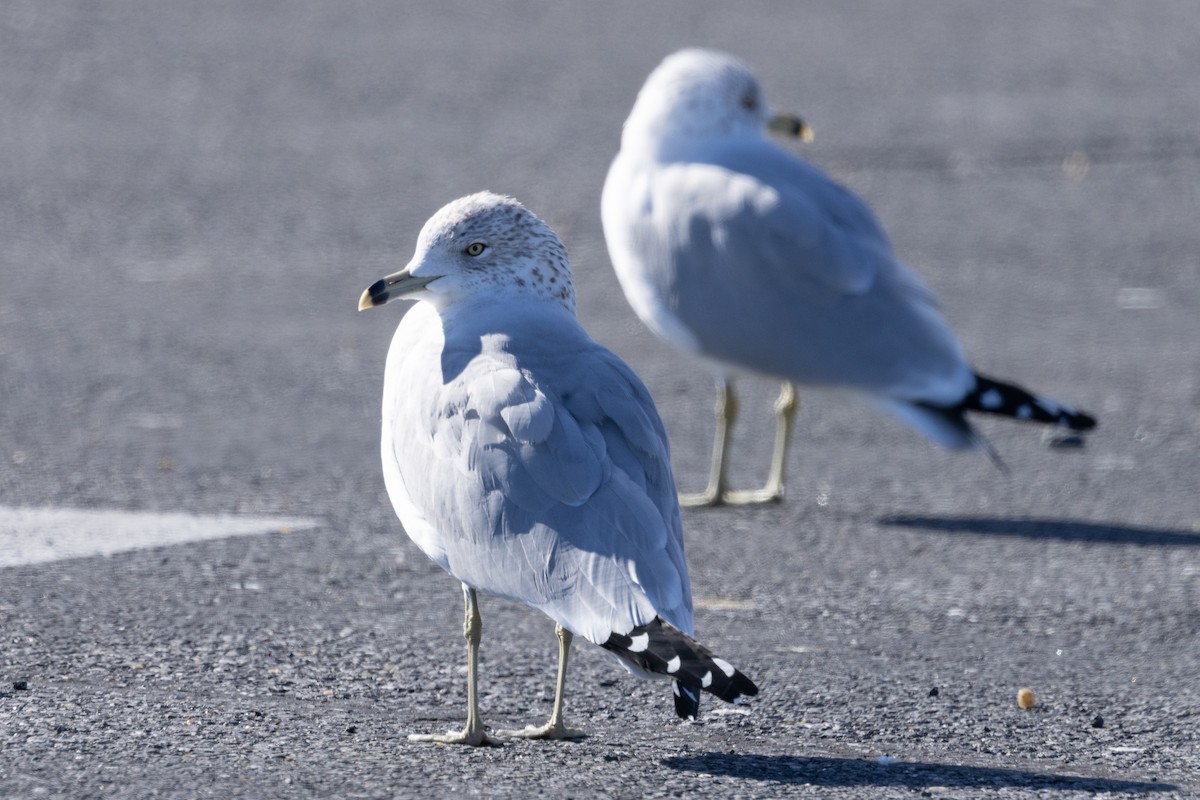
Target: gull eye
{"x": 475, "y": 248}
{"x": 749, "y": 101}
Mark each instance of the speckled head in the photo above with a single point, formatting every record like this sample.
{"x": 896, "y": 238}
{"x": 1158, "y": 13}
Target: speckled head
{"x": 483, "y": 246}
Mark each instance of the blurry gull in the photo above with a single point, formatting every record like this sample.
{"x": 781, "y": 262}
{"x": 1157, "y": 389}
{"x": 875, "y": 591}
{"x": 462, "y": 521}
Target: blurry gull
{"x": 529, "y": 462}
{"x": 731, "y": 247}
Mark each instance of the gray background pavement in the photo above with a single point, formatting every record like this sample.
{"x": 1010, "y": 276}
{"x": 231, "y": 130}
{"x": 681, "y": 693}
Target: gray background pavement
{"x": 192, "y": 197}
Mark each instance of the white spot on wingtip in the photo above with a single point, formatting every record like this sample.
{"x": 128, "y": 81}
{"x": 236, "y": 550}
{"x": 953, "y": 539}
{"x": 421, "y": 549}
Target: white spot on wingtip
{"x": 706, "y": 681}
{"x": 991, "y": 399}
{"x": 1051, "y": 406}
{"x": 639, "y": 643}
{"x": 725, "y": 667}
{"x": 673, "y": 665}
{"x": 1024, "y": 411}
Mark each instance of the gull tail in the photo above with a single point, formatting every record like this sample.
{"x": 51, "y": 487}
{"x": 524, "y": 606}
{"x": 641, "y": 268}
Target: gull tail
{"x": 991, "y": 396}
{"x": 662, "y": 649}
{"x": 949, "y": 426}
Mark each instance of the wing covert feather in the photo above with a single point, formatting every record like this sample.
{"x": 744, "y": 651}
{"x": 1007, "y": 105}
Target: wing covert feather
{"x": 580, "y": 518}
{"x": 764, "y": 206}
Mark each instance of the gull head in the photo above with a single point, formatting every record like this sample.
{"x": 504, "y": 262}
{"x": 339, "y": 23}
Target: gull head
{"x": 481, "y": 248}
{"x": 703, "y": 95}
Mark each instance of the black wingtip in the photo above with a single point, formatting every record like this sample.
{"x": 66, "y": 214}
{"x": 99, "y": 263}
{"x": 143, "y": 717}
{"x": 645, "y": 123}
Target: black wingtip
{"x": 687, "y": 700}
{"x": 663, "y": 649}
{"x": 1082, "y": 421}
{"x": 991, "y": 396}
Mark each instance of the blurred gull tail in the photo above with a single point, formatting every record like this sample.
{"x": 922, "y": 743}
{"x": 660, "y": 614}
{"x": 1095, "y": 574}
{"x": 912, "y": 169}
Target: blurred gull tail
{"x": 991, "y": 396}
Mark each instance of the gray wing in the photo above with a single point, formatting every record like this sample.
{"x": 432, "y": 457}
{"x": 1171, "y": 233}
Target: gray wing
{"x": 547, "y": 476}
{"x": 810, "y": 232}
{"x": 773, "y": 266}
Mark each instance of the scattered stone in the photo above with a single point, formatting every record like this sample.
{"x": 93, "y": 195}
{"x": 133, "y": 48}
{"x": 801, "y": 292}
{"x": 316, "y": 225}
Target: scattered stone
{"x": 21, "y": 686}
{"x": 1065, "y": 440}
{"x": 1025, "y": 697}
{"x": 933, "y": 692}
{"x": 352, "y": 729}
{"x": 1097, "y": 721}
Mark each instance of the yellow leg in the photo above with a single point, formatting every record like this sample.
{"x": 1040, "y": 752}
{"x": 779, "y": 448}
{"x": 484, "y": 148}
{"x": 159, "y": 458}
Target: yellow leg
{"x": 717, "y": 493}
{"x": 473, "y": 734}
{"x": 785, "y": 412}
{"x": 726, "y": 414}
{"x": 555, "y": 728}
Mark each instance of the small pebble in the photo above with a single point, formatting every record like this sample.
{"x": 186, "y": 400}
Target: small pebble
{"x": 933, "y": 692}
{"x": 21, "y": 686}
{"x": 1062, "y": 439}
{"x": 1097, "y": 721}
{"x": 1026, "y": 698}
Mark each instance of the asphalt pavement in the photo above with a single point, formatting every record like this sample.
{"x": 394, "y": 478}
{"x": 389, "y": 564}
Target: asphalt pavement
{"x": 192, "y": 198}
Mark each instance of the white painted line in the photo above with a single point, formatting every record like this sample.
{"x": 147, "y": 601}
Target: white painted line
{"x": 39, "y": 535}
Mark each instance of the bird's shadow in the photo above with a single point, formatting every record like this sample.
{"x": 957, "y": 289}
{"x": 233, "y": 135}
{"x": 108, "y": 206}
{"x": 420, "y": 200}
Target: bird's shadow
{"x": 1068, "y": 530}
{"x": 845, "y": 772}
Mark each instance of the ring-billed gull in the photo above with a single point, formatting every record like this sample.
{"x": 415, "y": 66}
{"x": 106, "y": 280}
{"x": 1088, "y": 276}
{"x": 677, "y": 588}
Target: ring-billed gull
{"x": 528, "y": 461}
{"x": 729, "y": 246}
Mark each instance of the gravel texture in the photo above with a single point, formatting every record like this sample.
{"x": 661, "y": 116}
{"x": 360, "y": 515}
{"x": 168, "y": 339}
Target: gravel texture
{"x": 192, "y": 197}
